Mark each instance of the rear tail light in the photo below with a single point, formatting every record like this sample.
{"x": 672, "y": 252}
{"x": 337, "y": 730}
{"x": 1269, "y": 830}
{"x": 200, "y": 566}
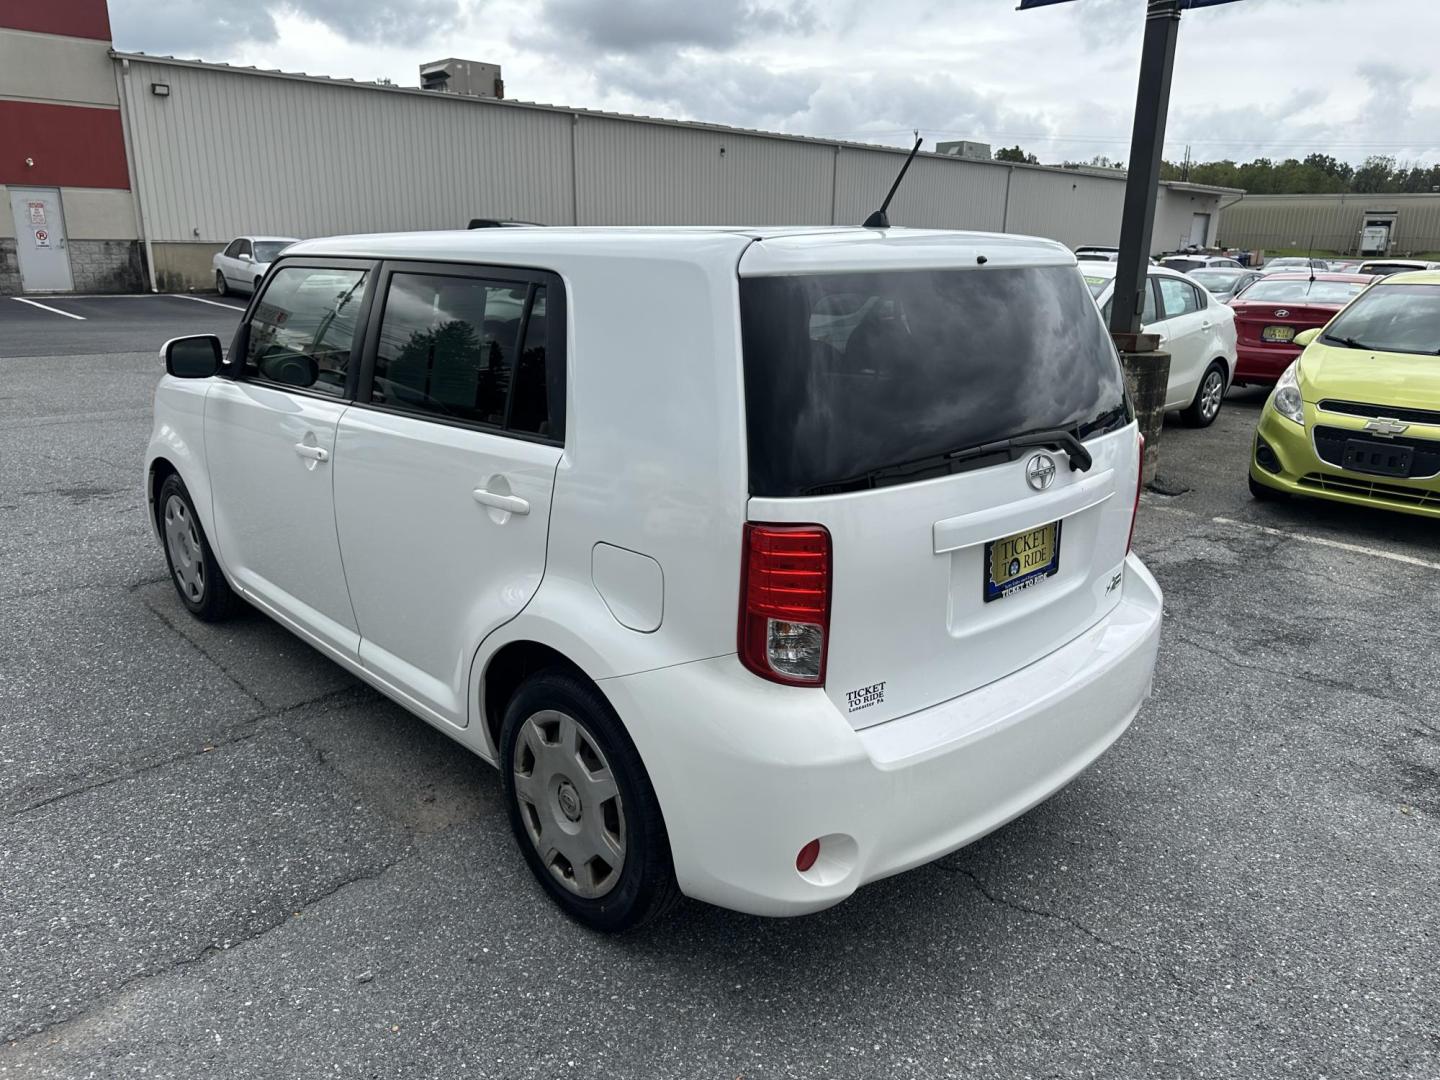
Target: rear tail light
{"x": 785, "y": 602}
{"x": 1139, "y": 483}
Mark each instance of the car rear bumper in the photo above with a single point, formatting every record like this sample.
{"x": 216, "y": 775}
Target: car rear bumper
{"x": 1263, "y": 363}
{"x": 1294, "y": 467}
{"x": 748, "y": 772}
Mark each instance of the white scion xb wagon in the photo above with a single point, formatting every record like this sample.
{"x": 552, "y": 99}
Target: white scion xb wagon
{"x": 763, "y": 562}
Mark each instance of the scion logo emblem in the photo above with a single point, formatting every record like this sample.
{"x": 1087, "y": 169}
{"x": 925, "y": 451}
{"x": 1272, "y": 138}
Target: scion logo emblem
{"x": 1383, "y": 425}
{"x": 1040, "y": 471}
{"x": 1282, "y": 313}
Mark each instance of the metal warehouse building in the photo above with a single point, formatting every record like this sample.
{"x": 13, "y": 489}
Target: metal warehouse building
{"x": 1352, "y": 224}
{"x": 191, "y": 154}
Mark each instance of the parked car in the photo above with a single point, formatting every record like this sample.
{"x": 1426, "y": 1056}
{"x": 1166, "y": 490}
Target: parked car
{"x": 1395, "y": 266}
{"x": 1097, "y": 253}
{"x": 1197, "y": 331}
{"x": 1224, "y": 283}
{"x": 245, "y": 260}
{"x": 1290, "y": 264}
{"x": 1356, "y": 418}
{"x": 1186, "y": 263}
{"x": 1272, "y": 312}
{"x": 744, "y": 607}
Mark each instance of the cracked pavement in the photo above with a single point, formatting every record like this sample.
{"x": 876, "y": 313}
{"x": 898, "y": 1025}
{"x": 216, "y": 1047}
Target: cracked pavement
{"x": 222, "y": 856}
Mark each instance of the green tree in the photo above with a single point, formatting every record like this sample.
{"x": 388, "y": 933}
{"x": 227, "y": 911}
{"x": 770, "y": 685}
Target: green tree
{"x": 1015, "y": 154}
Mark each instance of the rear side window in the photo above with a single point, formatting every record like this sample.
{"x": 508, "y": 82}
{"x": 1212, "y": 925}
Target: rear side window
{"x": 303, "y": 329}
{"x": 1179, "y": 297}
{"x": 466, "y": 349}
{"x": 850, "y": 379}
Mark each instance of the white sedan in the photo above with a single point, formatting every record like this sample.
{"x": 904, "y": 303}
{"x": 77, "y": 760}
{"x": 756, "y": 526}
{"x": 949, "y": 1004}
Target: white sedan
{"x": 244, "y": 261}
{"x": 1197, "y": 330}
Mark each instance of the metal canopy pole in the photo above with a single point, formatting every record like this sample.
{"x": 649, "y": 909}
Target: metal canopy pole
{"x": 1147, "y": 142}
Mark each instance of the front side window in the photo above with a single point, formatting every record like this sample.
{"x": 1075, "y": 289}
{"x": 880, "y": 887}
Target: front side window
{"x": 1391, "y": 318}
{"x": 244, "y": 248}
{"x": 451, "y": 347}
{"x": 303, "y": 329}
{"x": 1179, "y": 297}
{"x": 233, "y": 249}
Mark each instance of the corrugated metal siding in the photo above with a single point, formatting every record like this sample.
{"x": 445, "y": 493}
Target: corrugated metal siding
{"x": 945, "y": 193}
{"x": 1074, "y": 208}
{"x": 233, "y": 151}
{"x": 1330, "y": 222}
{"x": 647, "y": 174}
{"x": 229, "y": 153}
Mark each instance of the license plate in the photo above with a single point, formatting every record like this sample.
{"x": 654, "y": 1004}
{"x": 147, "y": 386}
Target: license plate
{"x": 1018, "y": 562}
{"x": 1378, "y": 458}
{"x": 1280, "y": 334}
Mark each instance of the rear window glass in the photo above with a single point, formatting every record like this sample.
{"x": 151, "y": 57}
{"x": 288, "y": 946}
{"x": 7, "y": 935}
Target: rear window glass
{"x": 1315, "y": 292}
{"x": 850, "y": 374}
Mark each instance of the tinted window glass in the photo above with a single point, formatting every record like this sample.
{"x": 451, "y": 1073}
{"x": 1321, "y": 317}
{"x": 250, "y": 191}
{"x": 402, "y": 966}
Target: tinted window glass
{"x": 538, "y": 400}
{"x": 1179, "y": 297}
{"x": 244, "y": 248}
{"x": 304, "y": 327}
{"x": 843, "y": 393}
{"x": 447, "y": 346}
{"x": 233, "y": 249}
{"x": 1391, "y": 318}
{"x": 1316, "y": 292}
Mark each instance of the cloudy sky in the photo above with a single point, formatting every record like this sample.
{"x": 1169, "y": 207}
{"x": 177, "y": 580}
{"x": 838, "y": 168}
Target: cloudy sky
{"x": 1278, "y": 78}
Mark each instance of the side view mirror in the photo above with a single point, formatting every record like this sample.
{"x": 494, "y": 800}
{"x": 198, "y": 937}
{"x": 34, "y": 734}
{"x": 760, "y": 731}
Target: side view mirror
{"x": 1305, "y": 337}
{"x": 244, "y": 256}
{"x": 194, "y": 357}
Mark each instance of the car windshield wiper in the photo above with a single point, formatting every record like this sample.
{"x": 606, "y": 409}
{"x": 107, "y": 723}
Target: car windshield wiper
{"x": 1351, "y": 343}
{"x": 1055, "y": 439}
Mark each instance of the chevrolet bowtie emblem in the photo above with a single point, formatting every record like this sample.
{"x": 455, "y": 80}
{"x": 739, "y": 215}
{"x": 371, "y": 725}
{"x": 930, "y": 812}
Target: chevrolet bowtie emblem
{"x": 1383, "y": 425}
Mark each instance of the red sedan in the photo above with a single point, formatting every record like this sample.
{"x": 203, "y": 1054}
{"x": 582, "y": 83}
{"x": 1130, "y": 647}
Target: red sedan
{"x": 1272, "y": 311}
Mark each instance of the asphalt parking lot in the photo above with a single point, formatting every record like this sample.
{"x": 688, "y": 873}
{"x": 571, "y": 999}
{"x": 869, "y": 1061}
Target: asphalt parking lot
{"x": 220, "y": 855}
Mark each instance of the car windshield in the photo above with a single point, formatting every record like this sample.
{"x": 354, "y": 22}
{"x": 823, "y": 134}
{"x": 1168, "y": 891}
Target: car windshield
{"x": 1096, "y": 283}
{"x": 1314, "y": 292}
{"x": 1286, "y": 262}
{"x": 848, "y": 374}
{"x": 1217, "y": 281}
{"x": 269, "y": 250}
{"x": 1391, "y": 318}
{"x": 1390, "y": 268}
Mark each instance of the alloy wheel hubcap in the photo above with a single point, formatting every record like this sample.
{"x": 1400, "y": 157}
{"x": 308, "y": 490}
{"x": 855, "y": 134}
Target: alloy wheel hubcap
{"x": 1210, "y": 396}
{"x": 570, "y": 803}
{"x": 182, "y": 541}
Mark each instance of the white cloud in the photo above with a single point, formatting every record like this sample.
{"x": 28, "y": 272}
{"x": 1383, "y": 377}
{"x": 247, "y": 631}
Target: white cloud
{"x": 1259, "y": 77}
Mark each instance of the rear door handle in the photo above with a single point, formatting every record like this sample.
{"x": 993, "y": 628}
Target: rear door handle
{"x": 314, "y": 453}
{"x": 511, "y": 504}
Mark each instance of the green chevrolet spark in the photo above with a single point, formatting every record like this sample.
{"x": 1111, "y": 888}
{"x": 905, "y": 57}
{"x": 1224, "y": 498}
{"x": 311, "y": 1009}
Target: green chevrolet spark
{"x": 1356, "y": 417}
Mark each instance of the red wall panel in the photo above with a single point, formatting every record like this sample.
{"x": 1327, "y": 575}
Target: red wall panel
{"x": 73, "y": 18}
{"x": 71, "y": 145}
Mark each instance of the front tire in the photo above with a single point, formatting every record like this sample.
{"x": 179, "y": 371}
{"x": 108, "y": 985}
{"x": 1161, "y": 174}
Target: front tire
{"x": 582, "y": 807}
{"x": 1208, "y": 398}
{"x": 221, "y": 285}
{"x": 196, "y": 575}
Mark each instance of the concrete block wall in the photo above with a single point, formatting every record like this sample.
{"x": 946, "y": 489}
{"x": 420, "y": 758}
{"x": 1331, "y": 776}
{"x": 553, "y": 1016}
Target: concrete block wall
{"x": 107, "y": 266}
{"x": 9, "y": 269}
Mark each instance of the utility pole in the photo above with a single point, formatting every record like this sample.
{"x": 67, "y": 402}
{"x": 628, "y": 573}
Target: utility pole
{"x": 1147, "y": 141}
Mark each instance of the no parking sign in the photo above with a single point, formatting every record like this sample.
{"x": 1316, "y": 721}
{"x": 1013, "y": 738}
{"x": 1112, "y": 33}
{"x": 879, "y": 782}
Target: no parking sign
{"x": 42, "y": 238}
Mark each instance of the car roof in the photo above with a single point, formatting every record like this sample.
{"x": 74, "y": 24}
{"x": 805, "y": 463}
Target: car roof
{"x": 775, "y": 250}
{"x": 267, "y": 239}
{"x": 1414, "y": 277}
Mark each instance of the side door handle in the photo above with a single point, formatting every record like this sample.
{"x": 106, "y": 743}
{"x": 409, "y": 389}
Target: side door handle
{"x": 314, "y": 453}
{"x": 511, "y": 504}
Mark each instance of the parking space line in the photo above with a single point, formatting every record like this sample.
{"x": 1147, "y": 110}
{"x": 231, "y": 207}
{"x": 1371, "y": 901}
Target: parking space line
{"x": 202, "y": 300}
{"x": 1358, "y": 549}
{"x": 46, "y": 307}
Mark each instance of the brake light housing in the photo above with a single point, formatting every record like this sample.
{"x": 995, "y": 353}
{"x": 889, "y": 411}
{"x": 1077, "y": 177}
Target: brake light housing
{"x": 1139, "y": 484}
{"x": 785, "y": 585}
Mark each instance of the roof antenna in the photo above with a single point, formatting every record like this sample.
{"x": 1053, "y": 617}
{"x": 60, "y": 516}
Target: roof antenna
{"x": 878, "y": 220}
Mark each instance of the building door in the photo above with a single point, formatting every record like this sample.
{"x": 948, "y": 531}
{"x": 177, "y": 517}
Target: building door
{"x": 1199, "y": 229}
{"x": 40, "y": 240}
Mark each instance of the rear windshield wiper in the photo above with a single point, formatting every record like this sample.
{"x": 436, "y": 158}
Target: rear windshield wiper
{"x": 947, "y": 462}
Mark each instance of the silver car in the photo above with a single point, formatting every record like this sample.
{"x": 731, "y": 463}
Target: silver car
{"x": 244, "y": 261}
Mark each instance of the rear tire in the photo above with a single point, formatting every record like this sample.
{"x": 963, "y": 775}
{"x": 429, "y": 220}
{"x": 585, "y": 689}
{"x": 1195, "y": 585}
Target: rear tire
{"x": 1209, "y": 396}
{"x": 582, "y": 807}
{"x": 221, "y": 285}
{"x": 196, "y": 575}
